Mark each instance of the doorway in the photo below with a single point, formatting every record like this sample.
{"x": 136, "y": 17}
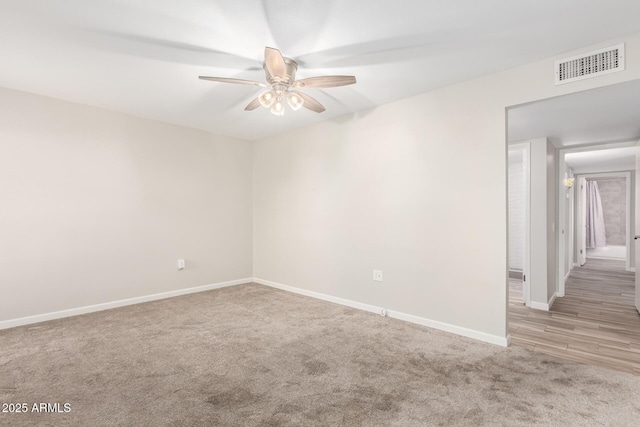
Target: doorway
{"x": 592, "y": 120}
{"x": 604, "y": 217}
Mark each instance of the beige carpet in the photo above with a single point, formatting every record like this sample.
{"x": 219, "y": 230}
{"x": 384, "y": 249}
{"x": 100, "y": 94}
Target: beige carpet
{"x": 254, "y": 356}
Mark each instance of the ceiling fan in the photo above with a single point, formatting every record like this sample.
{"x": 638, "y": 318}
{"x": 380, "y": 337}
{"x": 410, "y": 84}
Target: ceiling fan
{"x": 281, "y": 80}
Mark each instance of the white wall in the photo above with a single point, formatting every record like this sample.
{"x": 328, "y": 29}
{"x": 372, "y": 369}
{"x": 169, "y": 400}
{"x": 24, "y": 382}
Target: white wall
{"x": 97, "y": 206}
{"x": 542, "y": 211}
{"x": 552, "y": 225}
{"x": 416, "y": 188}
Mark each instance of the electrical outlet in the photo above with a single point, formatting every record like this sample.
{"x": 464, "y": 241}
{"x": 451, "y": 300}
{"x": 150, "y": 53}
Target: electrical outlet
{"x": 181, "y": 264}
{"x": 377, "y": 275}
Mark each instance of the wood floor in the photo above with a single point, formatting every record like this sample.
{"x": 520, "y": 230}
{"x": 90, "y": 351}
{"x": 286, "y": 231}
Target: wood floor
{"x": 596, "y": 322}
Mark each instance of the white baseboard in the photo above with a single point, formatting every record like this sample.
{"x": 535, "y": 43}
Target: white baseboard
{"x": 566, "y": 276}
{"x": 553, "y": 299}
{"x": 12, "y": 323}
{"x": 324, "y": 297}
{"x": 539, "y": 305}
{"x": 458, "y": 330}
{"x": 470, "y": 333}
{"x": 542, "y": 305}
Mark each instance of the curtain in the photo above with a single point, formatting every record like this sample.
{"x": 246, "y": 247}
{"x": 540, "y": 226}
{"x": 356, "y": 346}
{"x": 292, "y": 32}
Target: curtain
{"x": 595, "y": 219}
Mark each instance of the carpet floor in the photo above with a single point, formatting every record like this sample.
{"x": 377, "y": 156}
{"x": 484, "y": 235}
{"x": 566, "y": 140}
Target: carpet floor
{"x": 250, "y": 355}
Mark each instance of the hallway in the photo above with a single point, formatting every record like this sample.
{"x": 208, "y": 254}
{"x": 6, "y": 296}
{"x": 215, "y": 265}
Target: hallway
{"x": 596, "y": 322}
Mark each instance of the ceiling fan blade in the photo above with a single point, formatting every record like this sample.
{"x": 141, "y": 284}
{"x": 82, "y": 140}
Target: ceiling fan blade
{"x": 252, "y": 105}
{"x": 325, "y": 81}
{"x": 274, "y": 63}
{"x": 237, "y": 81}
{"x": 309, "y": 102}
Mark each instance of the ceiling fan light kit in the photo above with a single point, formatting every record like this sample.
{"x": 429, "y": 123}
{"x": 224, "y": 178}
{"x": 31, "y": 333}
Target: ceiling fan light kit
{"x": 295, "y": 101}
{"x": 280, "y": 73}
{"x": 274, "y": 99}
{"x": 267, "y": 99}
{"x": 278, "y": 107}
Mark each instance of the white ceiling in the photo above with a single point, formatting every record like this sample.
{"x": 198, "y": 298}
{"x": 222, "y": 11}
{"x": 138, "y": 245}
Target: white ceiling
{"x": 603, "y": 115}
{"x": 607, "y": 160}
{"x": 143, "y": 57}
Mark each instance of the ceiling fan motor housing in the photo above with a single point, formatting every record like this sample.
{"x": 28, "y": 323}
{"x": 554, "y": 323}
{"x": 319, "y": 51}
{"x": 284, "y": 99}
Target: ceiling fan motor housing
{"x": 291, "y": 67}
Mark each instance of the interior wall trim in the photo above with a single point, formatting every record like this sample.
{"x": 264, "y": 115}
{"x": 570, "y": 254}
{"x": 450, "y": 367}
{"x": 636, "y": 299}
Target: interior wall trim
{"x": 544, "y": 306}
{"x": 12, "y": 323}
{"x": 458, "y": 330}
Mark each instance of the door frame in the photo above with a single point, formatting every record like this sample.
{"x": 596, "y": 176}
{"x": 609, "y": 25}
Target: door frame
{"x": 564, "y": 209}
{"x": 526, "y": 254}
{"x": 574, "y": 221}
{"x": 581, "y": 226}
{"x": 636, "y": 225}
{"x": 627, "y": 176}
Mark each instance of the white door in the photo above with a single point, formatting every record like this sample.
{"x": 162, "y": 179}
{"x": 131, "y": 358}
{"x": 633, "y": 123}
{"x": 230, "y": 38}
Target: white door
{"x": 637, "y": 228}
{"x": 582, "y": 221}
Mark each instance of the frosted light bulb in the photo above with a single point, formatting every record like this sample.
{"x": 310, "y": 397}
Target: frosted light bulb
{"x": 266, "y": 99}
{"x": 295, "y": 101}
{"x": 278, "y": 107}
